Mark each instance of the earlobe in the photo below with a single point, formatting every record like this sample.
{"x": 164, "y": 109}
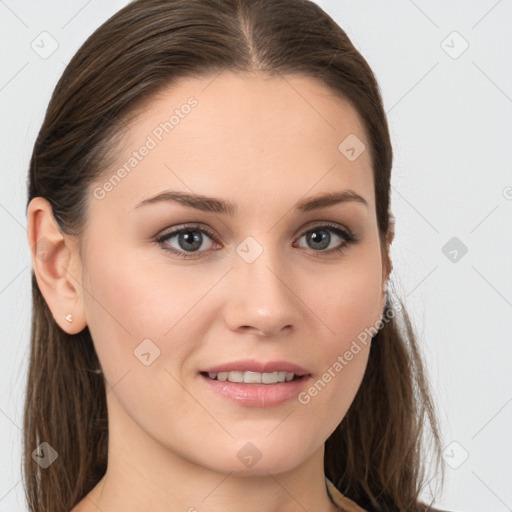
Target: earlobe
{"x": 56, "y": 265}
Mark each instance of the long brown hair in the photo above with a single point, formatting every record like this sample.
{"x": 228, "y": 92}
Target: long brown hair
{"x": 376, "y": 455}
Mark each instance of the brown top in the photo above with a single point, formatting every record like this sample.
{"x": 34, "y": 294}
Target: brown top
{"x": 346, "y": 504}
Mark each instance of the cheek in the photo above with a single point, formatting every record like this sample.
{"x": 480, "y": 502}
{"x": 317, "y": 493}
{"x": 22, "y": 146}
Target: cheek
{"x": 141, "y": 329}
{"x": 347, "y": 303}
{"x": 128, "y": 303}
{"x": 347, "y": 299}
{"x": 146, "y": 317}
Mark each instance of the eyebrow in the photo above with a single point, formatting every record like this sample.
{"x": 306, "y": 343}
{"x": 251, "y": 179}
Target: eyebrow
{"x": 215, "y": 205}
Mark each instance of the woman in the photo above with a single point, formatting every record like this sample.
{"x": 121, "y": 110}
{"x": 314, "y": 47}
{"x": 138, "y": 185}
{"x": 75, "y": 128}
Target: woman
{"x": 209, "y": 213}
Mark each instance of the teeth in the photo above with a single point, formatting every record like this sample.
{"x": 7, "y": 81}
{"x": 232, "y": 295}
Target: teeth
{"x": 252, "y": 377}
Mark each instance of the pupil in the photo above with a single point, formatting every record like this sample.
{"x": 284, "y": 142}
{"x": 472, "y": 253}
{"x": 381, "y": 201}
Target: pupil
{"x": 321, "y": 241}
{"x": 190, "y": 240}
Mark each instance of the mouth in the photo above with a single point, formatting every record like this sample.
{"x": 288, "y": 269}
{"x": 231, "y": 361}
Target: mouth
{"x": 248, "y": 377}
{"x": 255, "y": 389}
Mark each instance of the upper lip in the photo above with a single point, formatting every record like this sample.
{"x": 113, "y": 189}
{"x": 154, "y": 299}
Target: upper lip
{"x": 251, "y": 365}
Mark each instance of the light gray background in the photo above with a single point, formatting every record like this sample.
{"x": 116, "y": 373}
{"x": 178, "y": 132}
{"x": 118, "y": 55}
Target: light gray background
{"x": 451, "y": 130}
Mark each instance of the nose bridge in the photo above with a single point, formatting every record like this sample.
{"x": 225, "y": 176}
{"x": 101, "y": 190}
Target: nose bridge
{"x": 262, "y": 297}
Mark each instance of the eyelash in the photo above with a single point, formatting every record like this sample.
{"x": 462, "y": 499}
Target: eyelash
{"x": 349, "y": 239}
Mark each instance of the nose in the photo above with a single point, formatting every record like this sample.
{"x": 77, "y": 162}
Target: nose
{"x": 262, "y": 296}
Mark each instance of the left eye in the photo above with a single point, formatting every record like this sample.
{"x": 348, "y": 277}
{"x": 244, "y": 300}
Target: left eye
{"x": 321, "y": 238}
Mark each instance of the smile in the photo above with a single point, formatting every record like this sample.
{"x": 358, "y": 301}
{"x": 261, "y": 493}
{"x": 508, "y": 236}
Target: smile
{"x": 252, "y": 377}
{"x": 256, "y": 391}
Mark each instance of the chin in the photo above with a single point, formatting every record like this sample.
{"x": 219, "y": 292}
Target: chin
{"x": 249, "y": 460}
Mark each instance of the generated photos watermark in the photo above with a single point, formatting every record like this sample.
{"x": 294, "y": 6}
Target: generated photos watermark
{"x": 363, "y": 338}
{"x": 156, "y": 136}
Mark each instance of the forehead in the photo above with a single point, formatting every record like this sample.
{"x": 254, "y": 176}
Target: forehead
{"x": 280, "y": 135}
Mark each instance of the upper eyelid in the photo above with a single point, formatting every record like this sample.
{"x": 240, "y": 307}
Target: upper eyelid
{"x": 176, "y": 230}
{"x": 322, "y": 224}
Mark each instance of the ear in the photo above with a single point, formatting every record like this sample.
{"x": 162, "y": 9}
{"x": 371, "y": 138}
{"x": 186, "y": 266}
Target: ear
{"x": 57, "y": 266}
{"x": 387, "y": 266}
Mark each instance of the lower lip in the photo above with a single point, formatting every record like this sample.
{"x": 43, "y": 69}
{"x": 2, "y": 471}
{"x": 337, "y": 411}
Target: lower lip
{"x": 258, "y": 395}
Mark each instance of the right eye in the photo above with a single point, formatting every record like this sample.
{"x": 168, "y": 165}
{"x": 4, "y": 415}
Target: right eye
{"x": 187, "y": 241}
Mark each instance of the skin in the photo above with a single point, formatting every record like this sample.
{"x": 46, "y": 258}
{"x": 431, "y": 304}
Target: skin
{"x": 263, "y": 143}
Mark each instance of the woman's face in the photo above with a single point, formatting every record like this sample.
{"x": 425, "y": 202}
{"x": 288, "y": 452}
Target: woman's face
{"x": 275, "y": 278}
